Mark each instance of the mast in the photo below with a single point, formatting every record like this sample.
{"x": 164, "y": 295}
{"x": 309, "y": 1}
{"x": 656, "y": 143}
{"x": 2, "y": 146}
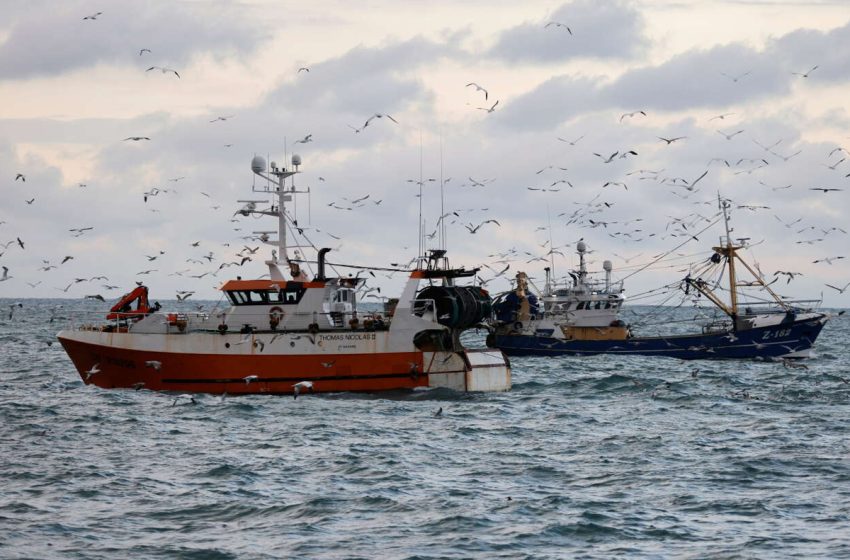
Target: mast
{"x": 276, "y": 188}
{"x": 730, "y": 254}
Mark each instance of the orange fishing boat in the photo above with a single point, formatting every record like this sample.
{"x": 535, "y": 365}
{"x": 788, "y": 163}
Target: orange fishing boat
{"x": 286, "y": 336}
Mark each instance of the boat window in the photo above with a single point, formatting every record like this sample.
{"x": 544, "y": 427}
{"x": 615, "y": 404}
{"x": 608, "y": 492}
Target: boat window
{"x": 580, "y": 305}
{"x": 607, "y": 305}
{"x": 289, "y": 295}
{"x": 598, "y": 305}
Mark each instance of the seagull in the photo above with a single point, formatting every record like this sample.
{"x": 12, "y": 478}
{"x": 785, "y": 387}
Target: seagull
{"x": 721, "y": 117}
{"x": 143, "y": 51}
{"x": 806, "y": 74}
{"x": 248, "y": 379}
{"x": 21, "y": 176}
{"x": 221, "y": 118}
{"x": 303, "y": 69}
{"x": 671, "y": 140}
{"x": 21, "y": 243}
{"x": 632, "y": 114}
{"x": 184, "y": 397}
{"x": 93, "y": 16}
{"x": 66, "y": 259}
{"x": 827, "y": 260}
{"x": 729, "y": 136}
{"x": 12, "y": 309}
{"x": 479, "y": 88}
{"x": 825, "y": 189}
{"x": 559, "y": 24}
{"x": 491, "y": 109}
{"x": 138, "y": 385}
{"x": 738, "y": 77}
{"x": 378, "y": 116}
{"x": 95, "y": 369}
{"x": 609, "y": 159}
{"x": 328, "y": 364}
{"x": 476, "y": 228}
{"x": 302, "y": 386}
{"x": 840, "y": 290}
{"x": 439, "y": 412}
{"x": 308, "y": 138}
{"x": 571, "y": 142}
{"x": 163, "y": 69}
{"x": 136, "y": 138}
{"x": 95, "y": 296}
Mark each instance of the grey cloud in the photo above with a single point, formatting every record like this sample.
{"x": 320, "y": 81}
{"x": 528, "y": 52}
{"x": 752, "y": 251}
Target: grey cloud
{"x": 58, "y": 40}
{"x": 599, "y": 29}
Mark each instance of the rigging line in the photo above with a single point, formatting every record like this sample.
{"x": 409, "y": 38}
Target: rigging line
{"x": 673, "y": 249}
{"x": 382, "y": 268}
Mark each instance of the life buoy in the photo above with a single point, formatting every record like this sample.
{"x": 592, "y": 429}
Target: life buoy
{"x": 275, "y": 315}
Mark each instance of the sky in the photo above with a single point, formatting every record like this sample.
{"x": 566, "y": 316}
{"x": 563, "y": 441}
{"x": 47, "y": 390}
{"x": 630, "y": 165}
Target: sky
{"x": 747, "y": 99}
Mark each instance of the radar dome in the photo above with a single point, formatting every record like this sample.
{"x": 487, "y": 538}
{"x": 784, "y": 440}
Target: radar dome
{"x": 296, "y": 160}
{"x": 607, "y": 266}
{"x": 258, "y": 164}
{"x": 581, "y": 247}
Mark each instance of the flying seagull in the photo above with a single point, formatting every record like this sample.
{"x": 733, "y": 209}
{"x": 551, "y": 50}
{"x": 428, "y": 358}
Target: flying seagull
{"x": 308, "y": 138}
{"x": 303, "y": 69}
{"x": 805, "y": 74}
{"x": 478, "y": 88}
{"x": 136, "y": 138}
{"x": 222, "y": 118}
{"x": 491, "y": 109}
{"x": 93, "y": 16}
{"x": 671, "y": 140}
{"x": 302, "y": 386}
{"x": 164, "y": 70}
{"x": 143, "y": 51}
{"x": 559, "y": 24}
{"x": 21, "y": 176}
{"x": 632, "y": 114}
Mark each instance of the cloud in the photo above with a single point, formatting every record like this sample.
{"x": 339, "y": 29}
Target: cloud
{"x": 599, "y": 29}
{"x": 58, "y": 40}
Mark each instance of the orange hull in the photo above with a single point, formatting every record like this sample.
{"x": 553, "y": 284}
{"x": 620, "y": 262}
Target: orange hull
{"x": 213, "y": 373}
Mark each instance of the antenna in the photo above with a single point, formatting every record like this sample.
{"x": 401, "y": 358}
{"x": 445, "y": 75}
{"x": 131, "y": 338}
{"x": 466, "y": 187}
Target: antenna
{"x": 442, "y": 198}
{"x": 421, "y": 225}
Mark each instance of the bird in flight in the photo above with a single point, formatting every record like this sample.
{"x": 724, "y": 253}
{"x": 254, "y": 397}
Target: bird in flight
{"x": 164, "y": 70}
{"x": 632, "y": 114}
{"x": 721, "y": 117}
{"x": 827, "y": 260}
{"x": 729, "y": 136}
{"x": 377, "y": 116}
{"x": 93, "y": 16}
{"x": 824, "y": 189}
{"x": 474, "y": 229}
{"x": 143, "y": 51}
{"x": 302, "y": 386}
{"x": 738, "y": 77}
{"x": 491, "y": 109}
{"x": 571, "y": 142}
{"x": 308, "y": 138}
{"x": 840, "y": 290}
{"x": 136, "y": 138}
{"x": 805, "y": 74}
{"x": 5, "y": 274}
{"x": 21, "y": 176}
{"x": 671, "y": 140}
{"x": 479, "y": 88}
{"x": 221, "y": 118}
{"x": 558, "y": 24}
{"x": 303, "y": 69}
{"x": 609, "y": 159}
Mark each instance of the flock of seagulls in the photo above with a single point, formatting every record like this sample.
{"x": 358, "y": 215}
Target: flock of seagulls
{"x": 586, "y": 215}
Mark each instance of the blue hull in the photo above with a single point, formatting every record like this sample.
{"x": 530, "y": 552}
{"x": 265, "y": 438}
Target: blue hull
{"x": 768, "y": 342}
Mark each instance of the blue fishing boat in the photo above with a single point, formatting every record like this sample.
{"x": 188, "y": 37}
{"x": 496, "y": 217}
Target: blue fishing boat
{"x": 584, "y": 317}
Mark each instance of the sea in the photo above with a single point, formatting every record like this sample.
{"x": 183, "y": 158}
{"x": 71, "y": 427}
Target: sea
{"x": 586, "y": 457}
